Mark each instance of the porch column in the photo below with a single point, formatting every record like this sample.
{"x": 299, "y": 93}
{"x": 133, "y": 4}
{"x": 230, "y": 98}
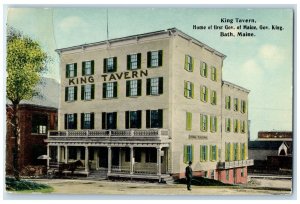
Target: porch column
{"x": 109, "y": 160}
{"x": 131, "y": 160}
{"x": 48, "y": 154}
{"x": 66, "y": 154}
{"x": 86, "y": 159}
{"x": 96, "y": 158}
{"x": 58, "y": 153}
{"x": 159, "y": 162}
{"x": 78, "y": 155}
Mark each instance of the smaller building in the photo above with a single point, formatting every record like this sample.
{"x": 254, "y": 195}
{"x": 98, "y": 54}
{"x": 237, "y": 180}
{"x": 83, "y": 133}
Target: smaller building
{"x": 36, "y": 117}
{"x": 272, "y": 152}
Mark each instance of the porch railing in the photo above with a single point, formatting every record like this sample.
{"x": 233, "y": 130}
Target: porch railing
{"x": 234, "y": 164}
{"x": 111, "y": 133}
{"x": 126, "y": 170}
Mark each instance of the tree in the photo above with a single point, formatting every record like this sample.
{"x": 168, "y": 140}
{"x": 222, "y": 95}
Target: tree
{"x": 25, "y": 62}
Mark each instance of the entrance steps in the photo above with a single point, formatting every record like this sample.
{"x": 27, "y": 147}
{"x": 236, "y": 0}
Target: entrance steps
{"x": 166, "y": 178}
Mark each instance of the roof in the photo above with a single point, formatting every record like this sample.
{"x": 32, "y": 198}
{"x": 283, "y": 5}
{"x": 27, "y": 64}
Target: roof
{"x": 235, "y": 86}
{"x": 169, "y": 31}
{"x": 264, "y": 145}
{"x": 48, "y": 94}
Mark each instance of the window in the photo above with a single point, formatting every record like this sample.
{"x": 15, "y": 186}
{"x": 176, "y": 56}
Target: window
{"x": 188, "y": 89}
{"x": 203, "y": 153}
{"x": 71, "y": 70}
{"x": 227, "y": 102}
{"x": 242, "y": 172}
{"x": 235, "y": 150}
{"x": 189, "y": 63}
{"x": 109, "y": 121}
{"x": 227, "y": 174}
{"x": 243, "y": 151}
{"x": 87, "y": 92}
{"x": 127, "y": 154}
{"x": 213, "y": 99}
{"x": 204, "y": 93}
{"x": 154, "y": 59}
{"x": 203, "y": 69}
{"x": 243, "y": 106}
{"x": 88, "y": 68}
{"x": 188, "y": 121}
{"x": 87, "y": 120}
{"x": 134, "y": 61}
{"x": 213, "y": 152}
{"x": 110, "y": 65}
{"x": 243, "y": 126}
{"x": 236, "y": 125}
{"x": 213, "y": 123}
{"x": 151, "y": 155}
{"x": 71, "y": 121}
{"x": 133, "y": 119}
{"x": 213, "y": 73}
{"x": 188, "y": 153}
{"x": 133, "y": 87}
{"x": 236, "y": 104}
{"x": 227, "y": 151}
{"x": 137, "y": 154}
{"x": 110, "y": 90}
{"x": 39, "y": 124}
{"x": 71, "y": 93}
{"x": 155, "y": 86}
{"x": 154, "y": 118}
{"x": 227, "y": 124}
{"x": 203, "y": 122}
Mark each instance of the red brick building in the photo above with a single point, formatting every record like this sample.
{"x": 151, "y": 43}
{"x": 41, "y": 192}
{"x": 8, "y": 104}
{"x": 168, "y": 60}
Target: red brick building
{"x": 36, "y": 117}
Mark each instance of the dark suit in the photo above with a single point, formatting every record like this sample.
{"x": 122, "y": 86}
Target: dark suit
{"x": 188, "y": 176}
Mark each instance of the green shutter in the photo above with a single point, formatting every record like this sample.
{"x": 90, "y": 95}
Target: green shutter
{"x": 66, "y": 93}
{"x": 75, "y": 69}
{"x": 192, "y": 87}
{"x": 75, "y": 93}
{"x": 83, "y": 68}
{"x": 206, "y": 96}
{"x": 192, "y": 149}
{"x": 160, "y": 58}
{"x": 201, "y": 94}
{"x": 92, "y": 67}
{"x": 210, "y": 153}
{"x": 185, "y": 154}
{"x": 128, "y": 62}
{"x": 201, "y": 69}
{"x": 139, "y": 87}
{"x": 192, "y": 64}
{"x": 217, "y": 153}
{"x": 92, "y": 91}
{"x": 211, "y": 122}
{"x": 188, "y": 121}
{"x": 67, "y": 71}
{"x": 186, "y": 62}
{"x": 201, "y": 122}
{"x": 206, "y": 149}
{"x": 185, "y": 88}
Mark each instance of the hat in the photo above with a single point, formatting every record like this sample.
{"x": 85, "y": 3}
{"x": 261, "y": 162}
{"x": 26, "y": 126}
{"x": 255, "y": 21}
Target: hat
{"x": 190, "y": 162}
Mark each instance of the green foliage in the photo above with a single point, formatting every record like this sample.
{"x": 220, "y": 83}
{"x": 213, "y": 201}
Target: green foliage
{"x": 25, "y": 62}
{"x": 14, "y": 185}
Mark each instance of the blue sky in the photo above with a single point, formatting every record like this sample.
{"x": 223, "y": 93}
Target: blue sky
{"x": 262, "y": 64}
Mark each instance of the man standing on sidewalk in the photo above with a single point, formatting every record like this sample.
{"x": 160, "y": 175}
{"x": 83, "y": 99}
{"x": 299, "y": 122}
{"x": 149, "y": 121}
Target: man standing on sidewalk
{"x": 189, "y": 175}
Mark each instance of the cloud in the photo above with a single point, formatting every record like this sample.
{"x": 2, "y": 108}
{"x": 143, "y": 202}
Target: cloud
{"x": 71, "y": 23}
{"x": 272, "y": 56}
{"x": 252, "y": 69}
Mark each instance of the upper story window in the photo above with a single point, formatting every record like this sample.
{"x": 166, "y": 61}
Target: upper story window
{"x": 213, "y": 73}
{"x": 188, "y": 89}
{"x": 235, "y": 152}
{"x": 87, "y": 120}
{"x": 133, "y": 119}
{"x": 134, "y": 61}
{"x": 243, "y": 126}
{"x": 236, "y": 125}
{"x": 155, "y": 86}
{"x": 110, "y": 90}
{"x": 213, "y": 123}
{"x": 88, "y": 68}
{"x": 110, "y": 65}
{"x": 235, "y": 104}
{"x": 228, "y": 102}
{"x": 203, "y": 122}
{"x": 71, "y": 93}
{"x": 134, "y": 87}
{"x": 228, "y": 156}
{"x": 243, "y": 106}
{"x": 71, "y": 70}
{"x": 154, "y": 59}
{"x": 71, "y": 121}
{"x": 188, "y": 153}
{"x": 203, "y": 69}
{"x": 213, "y": 97}
{"x": 227, "y": 124}
{"x": 109, "y": 120}
{"x": 87, "y": 92}
{"x": 189, "y": 63}
{"x": 204, "y": 93}
{"x": 154, "y": 118}
{"x": 213, "y": 152}
{"x": 39, "y": 123}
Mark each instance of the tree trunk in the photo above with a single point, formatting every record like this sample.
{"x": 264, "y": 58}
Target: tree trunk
{"x": 16, "y": 149}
